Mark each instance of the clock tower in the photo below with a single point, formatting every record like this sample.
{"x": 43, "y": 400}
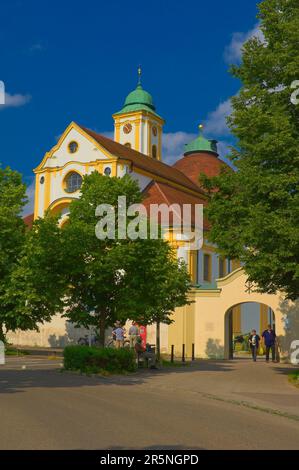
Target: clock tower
{"x": 137, "y": 125}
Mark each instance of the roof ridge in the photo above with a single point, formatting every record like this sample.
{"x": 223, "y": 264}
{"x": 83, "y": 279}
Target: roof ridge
{"x": 141, "y": 160}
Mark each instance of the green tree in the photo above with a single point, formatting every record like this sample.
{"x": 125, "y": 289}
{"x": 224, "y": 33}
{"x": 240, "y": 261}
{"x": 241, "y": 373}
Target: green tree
{"x": 255, "y": 211}
{"x": 39, "y": 279}
{"x": 93, "y": 281}
{"x": 117, "y": 278}
{"x": 97, "y": 293}
{"x": 160, "y": 284}
{"x": 12, "y": 201}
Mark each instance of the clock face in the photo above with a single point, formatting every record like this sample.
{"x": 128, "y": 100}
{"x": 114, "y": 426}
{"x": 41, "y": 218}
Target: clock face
{"x": 127, "y": 128}
{"x": 155, "y": 131}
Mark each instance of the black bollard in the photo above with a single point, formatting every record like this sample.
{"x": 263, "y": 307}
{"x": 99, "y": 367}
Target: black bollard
{"x": 183, "y": 353}
{"x": 172, "y": 353}
{"x": 193, "y": 352}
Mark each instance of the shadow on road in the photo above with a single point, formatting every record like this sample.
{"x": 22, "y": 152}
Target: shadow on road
{"x": 286, "y": 370}
{"x": 157, "y": 447}
{"x": 16, "y": 381}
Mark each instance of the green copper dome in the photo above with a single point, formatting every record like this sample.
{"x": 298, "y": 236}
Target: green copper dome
{"x": 201, "y": 144}
{"x": 139, "y": 97}
{"x": 138, "y": 100}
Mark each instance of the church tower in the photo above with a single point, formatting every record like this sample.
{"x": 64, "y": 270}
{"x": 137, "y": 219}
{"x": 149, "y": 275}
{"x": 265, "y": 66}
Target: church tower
{"x": 137, "y": 125}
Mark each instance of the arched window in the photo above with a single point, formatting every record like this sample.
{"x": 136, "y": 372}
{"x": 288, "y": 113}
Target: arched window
{"x": 207, "y": 267}
{"x": 154, "y": 151}
{"x": 107, "y": 171}
{"x": 222, "y": 266}
{"x": 73, "y": 182}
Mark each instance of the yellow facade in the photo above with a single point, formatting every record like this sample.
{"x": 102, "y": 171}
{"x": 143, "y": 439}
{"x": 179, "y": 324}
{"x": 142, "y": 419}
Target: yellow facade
{"x": 263, "y": 317}
{"x": 237, "y": 328}
{"x": 144, "y": 131}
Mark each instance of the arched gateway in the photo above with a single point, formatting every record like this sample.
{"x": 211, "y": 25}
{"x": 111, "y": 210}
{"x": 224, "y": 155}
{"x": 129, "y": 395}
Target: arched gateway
{"x": 205, "y": 322}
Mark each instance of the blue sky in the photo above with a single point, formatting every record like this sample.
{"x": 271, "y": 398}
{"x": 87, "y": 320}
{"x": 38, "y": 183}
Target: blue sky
{"x": 73, "y": 60}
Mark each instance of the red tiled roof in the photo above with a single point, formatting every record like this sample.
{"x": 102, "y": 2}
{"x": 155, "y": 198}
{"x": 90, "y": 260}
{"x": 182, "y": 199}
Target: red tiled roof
{"x": 161, "y": 193}
{"x": 143, "y": 162}
{"x": 28, "y": 220}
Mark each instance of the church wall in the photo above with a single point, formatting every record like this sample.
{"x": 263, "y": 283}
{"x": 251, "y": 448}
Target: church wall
{"x": 151, "y": 336}
{"x": 60, "y": 162}
{"x": 130, "y": 138}
{"x": 39, "y": 196}
{"x": 87, "y": 151}
{"x": 57, "y": 333}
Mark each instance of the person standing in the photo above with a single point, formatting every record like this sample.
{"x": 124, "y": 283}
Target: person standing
{"x": 133, "y": 334}
{"x": 119, "y": 337}
{"x": 269, "y": 338}
{"x": 254, "y": 341}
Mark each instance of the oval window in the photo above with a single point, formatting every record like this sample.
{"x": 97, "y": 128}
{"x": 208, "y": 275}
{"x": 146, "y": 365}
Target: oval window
{"x": 73, "y": 147}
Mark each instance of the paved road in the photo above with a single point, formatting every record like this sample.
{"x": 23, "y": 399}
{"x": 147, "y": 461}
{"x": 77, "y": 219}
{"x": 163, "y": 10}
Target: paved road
{"x": 211, "y": 405}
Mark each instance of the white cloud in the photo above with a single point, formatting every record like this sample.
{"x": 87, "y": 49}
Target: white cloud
{"x": 173, "y": 144}
{"x": 233, "y": 52}
{"x": 215, "y": 123}
{"x": 29, "y": 208}
{"x": 15, "y": 101}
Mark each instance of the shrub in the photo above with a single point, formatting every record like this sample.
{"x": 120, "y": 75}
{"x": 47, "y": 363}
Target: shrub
{"x": 92, "y": 359}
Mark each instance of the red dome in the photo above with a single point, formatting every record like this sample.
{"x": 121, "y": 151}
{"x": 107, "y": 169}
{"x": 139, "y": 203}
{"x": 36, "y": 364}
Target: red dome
{"x": 196, "y": 163}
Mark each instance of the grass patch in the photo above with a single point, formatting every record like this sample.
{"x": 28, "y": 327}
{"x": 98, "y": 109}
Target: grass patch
{"x": 294, "y": 378}
{"x": 16, "y": 352}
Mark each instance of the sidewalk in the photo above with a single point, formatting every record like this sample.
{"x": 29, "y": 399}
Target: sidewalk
{"x": 240, "y": 380}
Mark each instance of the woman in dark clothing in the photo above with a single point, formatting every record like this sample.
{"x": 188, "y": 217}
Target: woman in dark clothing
{"x": 254, "y": 341}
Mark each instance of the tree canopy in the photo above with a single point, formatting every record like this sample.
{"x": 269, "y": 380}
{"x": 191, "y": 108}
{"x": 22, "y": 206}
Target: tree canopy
{"x": 12, "y": 233}
{"x": 254, "y": 211}
{"x": 117, "y": 278}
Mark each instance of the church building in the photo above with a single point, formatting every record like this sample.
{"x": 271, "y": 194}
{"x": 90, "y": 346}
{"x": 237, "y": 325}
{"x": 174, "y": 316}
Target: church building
{"x": 223, "y": 302}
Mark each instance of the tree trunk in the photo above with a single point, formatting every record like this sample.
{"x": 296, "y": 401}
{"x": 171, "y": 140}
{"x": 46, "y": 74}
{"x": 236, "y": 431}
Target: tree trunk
{"x": 2, "y": 334}
{"x": 158, "y": 356}
{"x": 102, "y": 326}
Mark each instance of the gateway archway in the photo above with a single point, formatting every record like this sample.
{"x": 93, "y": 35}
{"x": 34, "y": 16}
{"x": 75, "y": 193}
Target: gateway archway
{"x": 205, "y": 322}
{"x": 236, "y": 291}
{"x": 240, "y": 320}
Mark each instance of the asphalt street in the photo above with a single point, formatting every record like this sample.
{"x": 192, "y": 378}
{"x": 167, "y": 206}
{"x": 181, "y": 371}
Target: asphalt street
{"x": 210, "y": 405}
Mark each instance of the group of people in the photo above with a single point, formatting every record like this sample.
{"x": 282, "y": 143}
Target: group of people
{"x": 270, "y": 342}
{"x": 135, "y": 342}
{"x": 119, "y": 335}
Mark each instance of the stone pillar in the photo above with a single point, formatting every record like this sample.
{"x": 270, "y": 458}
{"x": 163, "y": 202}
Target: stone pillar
{"x": 237, "y": 324}
{"x": 263, "y": 317}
